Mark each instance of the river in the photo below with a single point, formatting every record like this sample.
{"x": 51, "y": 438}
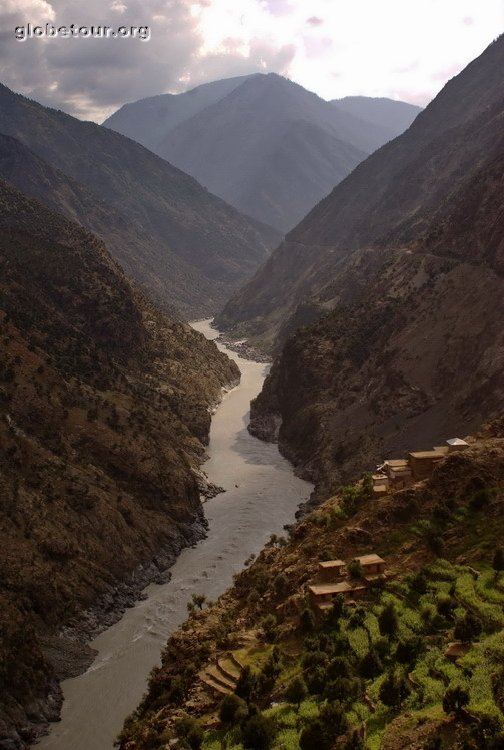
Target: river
{"x": 262, "y": 494}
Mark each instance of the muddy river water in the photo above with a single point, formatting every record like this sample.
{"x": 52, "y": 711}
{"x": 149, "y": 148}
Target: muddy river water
{"x": 262, "y": 494}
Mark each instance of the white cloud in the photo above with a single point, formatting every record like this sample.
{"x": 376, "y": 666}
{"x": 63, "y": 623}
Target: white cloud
{"x": 391, "y": 48}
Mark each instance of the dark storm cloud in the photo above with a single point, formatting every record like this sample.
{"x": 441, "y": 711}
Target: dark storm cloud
{"x": 92, "y": 77}
{"x": 83, "y": 76}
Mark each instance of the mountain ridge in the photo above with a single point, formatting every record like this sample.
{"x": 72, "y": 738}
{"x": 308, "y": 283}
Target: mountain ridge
{"x": 104, "y": 415}
{"x": 189, "y": 248}
{"x": 235, "y": 145}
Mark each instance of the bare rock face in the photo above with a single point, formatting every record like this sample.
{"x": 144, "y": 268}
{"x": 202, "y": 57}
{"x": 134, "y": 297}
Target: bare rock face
{"x": 104, "y": 412}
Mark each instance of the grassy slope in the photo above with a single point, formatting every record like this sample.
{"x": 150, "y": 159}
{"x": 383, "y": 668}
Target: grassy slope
{"x": 404, "y": 527}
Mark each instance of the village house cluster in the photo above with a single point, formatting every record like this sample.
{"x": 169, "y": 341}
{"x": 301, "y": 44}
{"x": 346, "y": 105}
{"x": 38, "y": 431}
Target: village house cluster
{"x": 398, "y": 473}
{"x": 334, "y": 579}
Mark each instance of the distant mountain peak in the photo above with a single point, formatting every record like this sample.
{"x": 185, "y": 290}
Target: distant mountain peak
{"x": 263, "y": 142}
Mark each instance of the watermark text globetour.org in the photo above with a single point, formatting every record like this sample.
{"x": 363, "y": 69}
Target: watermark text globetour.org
{"x": 95, "y": 31}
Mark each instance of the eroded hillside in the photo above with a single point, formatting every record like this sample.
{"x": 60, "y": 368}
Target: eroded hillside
{"x": 104, "y": 413}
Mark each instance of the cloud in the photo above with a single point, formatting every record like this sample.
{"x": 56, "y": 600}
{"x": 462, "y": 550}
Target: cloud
{"x": 349, "y": 47}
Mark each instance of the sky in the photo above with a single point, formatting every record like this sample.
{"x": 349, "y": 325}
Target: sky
{"x": 403, "y": 49}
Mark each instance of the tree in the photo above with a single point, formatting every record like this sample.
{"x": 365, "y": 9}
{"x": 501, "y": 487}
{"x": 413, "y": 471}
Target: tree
{"x": 394, "y": 690}
{"x": 409, "y": 649}
{"x": 333, "y": 718}
{"x": 498, "y": 561}
{"x": 190, "y": 730}
{"x": 371, "y": 665}
{"x": 232, "y": 709}
{"x": 337, "y": 610}
{"x": 258, "y": 732}
{"x": 367, "y": 486}
{"x": 314, "y": 735}
{"x": 296, "y": 692}
{"x": 354, "y": 742}
{"x": 454, "y": 700}
{"x": 468, "y": 628}
{"x": 281, "y": 584}
{"x": 355, "y": 569}
{"x": 269, "y": 628}
{"x": 246, "y": 684}
{"x": 388, "y": 622}
{"x": 343, "y": 689}
{"x": 419, "y": 584}
{"x": 307, "y": 620}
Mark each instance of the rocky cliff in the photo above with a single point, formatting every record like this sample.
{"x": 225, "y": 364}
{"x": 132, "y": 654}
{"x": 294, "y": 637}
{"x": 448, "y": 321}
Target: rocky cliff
{"x": 104, "y": 413}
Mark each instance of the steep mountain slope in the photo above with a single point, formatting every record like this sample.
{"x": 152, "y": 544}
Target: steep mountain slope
{"x": 309, "y": 679}
{"x": 413, "y": 346}
{"x": 104, "y": 411}
{"x": 392, "y": 115}
{"x": 148, "y": 120}
{"x": 188, "y": 248}
{"x": 388, "y": 201}
{"x": 266, "y": 145}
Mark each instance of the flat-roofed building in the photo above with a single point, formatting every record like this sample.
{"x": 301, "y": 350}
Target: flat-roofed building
{"x": 372, "y": 565}
{"x": 423, "y": 463}
{"x": 322, "y": 595}
{"x": 329, "y": 571}
{"x": 398, "y": 471}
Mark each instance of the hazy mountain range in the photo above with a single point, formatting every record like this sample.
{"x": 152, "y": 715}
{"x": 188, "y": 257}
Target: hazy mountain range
{"x": 187, "y": 247}
{"x": 265, "y": 144}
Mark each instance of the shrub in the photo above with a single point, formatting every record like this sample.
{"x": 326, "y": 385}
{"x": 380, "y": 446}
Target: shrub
{"x": 454, "y": 700}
